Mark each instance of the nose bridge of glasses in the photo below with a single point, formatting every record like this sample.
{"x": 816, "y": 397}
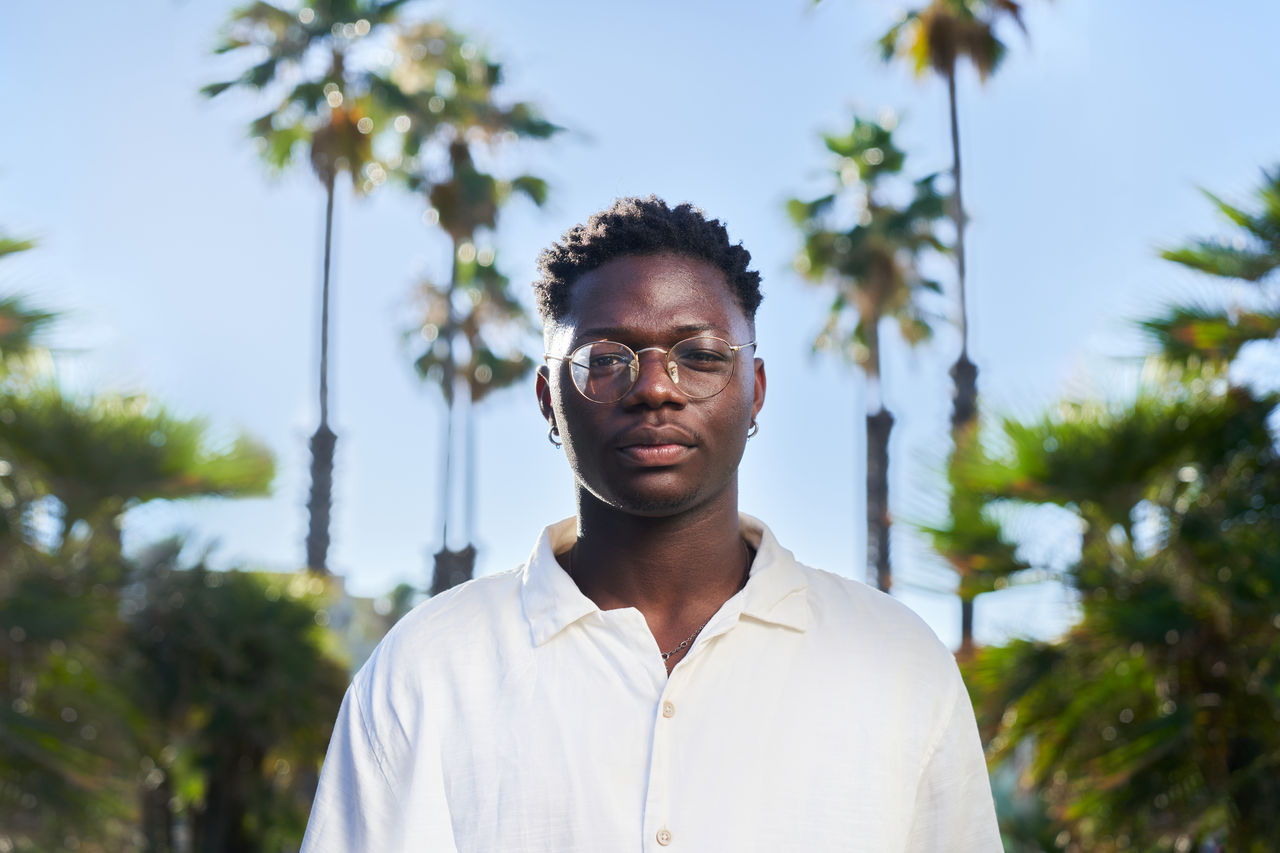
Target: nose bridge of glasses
{"x": 663, "y": 357}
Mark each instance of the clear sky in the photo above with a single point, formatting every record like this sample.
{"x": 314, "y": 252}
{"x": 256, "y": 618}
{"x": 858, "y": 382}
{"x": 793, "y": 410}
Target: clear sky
{"x": 190, "y": 275}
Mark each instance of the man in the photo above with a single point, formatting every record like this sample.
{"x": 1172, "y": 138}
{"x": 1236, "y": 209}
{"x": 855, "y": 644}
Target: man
{"x": 661, "y": 674}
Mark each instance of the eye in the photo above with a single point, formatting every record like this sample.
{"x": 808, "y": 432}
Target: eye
{"x": 608, "y": 361}
{"x": 603, "y": 357}
{"x": 703, "y": 355}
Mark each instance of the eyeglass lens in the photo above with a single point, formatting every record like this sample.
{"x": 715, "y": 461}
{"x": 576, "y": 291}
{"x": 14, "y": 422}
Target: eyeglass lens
{"x": 605, "y": 371}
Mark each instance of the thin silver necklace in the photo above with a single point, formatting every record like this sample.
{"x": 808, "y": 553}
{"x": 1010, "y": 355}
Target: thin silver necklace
{"x": 689, "y": 639}
{"x": 686, "y": 642}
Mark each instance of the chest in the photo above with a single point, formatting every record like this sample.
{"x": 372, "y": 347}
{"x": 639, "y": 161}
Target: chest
{"x": 758, "y": 741}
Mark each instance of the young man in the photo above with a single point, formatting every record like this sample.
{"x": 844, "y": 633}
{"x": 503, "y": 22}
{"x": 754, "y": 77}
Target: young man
{"x": 661, "y": 674}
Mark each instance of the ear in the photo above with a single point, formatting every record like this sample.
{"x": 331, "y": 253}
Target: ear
{"x": 542, "y": 387}
{"x": 758, "y": 400}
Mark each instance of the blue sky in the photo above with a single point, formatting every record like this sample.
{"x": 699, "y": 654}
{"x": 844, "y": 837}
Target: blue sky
{"x": 188, "y": 274}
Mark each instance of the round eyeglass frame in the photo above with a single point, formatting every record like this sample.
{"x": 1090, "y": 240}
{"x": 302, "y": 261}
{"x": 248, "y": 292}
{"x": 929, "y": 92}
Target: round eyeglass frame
{"x": 667, "y": 365}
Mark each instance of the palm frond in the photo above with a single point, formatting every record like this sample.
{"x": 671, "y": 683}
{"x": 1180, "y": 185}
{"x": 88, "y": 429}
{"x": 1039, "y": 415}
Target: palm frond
{"x": 1225, "y": 261}
{"x": 1185, "y": 333}
{"x": 102, "y": 453}
{"x": 21, "y": 326}
{"x": 1251, "y": 256}
{"x": 14, "y": 245}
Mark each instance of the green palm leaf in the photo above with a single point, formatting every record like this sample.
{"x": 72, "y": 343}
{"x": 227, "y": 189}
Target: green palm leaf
{"x": 866, "y": 249}
{"x": 1196, "y": 332}
{"x": 1251, "y": 256}
{"x": 13, "y": 245}
{"x": 1225, "y": 261}
{"x": 1153, "y": 715}
{"x": 100, "y": 455}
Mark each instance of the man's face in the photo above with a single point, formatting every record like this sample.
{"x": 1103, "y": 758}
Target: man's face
{"x": 656, "y": 451}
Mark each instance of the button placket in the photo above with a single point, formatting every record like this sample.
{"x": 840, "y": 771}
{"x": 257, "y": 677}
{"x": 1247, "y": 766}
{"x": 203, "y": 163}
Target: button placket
{"x": 661, "y": 779}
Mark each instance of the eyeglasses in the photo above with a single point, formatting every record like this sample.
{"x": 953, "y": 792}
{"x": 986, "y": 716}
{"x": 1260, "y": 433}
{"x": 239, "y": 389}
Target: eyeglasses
{"x": 606, "y": 371}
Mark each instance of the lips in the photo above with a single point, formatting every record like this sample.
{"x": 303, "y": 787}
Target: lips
{"x": 655, "y": 447}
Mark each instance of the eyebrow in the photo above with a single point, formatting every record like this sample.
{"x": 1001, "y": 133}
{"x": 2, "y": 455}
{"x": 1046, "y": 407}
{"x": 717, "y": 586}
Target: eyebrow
{"x": 613, "y": 332}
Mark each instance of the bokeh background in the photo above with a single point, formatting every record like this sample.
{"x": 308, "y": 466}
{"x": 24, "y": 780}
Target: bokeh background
{"x": 1113, "y": 508}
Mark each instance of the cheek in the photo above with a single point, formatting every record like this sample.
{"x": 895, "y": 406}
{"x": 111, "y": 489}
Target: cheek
{"x": 561, "y": 402}
{"x": 573, "y": 419}
{"x": 743, "y": 387}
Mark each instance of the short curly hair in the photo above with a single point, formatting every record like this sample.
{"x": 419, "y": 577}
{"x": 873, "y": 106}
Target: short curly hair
{"x": 642, "y": 226}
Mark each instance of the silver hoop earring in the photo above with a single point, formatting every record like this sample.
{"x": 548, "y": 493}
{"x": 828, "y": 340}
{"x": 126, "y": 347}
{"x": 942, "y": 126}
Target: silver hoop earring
{"x": 755, "y": 428}
{"x": 551, "y": 436}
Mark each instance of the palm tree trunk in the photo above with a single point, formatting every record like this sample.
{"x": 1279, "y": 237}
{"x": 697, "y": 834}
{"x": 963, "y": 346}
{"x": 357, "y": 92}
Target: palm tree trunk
{"x": 157, "y": 817}
{"x": 469, "y": 469}
{"x": 222, "y": 827}
{"x": 957, "y": 211}
{"x": 879, "y": 426}
{"x": 451, "y": 567}
{"x": 450, "y": 387}
{"x": 964, "y": 373}
{"x": 324, "y": 440}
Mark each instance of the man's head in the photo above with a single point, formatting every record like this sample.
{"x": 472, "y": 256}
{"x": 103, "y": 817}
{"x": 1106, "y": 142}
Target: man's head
{"x": 662, "y": 440}
{"x": 642, "y": 226}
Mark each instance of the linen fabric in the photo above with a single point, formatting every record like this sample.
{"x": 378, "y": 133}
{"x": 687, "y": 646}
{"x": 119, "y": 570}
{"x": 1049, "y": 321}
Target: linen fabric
{"x": 511, "y": 714}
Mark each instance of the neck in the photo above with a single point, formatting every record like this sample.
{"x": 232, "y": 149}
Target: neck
{"x": 674, "y": 569}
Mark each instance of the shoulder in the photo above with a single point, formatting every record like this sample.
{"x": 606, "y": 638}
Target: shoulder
{"x": 874, "y": 645}
{"x": 862, "y": 605}
{"x": 846, "y": 616}
{"x": 483, "y": 598}
{"x": 471, "y": 621}
{"x": 853, "y": 615}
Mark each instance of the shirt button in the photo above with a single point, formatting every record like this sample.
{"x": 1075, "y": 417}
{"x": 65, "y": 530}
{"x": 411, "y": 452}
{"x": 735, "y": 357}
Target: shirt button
{"x": 668, "y": 709}
{"x": 664, "y": 836}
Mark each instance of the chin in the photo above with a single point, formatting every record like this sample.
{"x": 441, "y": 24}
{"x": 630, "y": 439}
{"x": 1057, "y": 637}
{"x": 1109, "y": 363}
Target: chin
{"x": 654, "y": 503}
{"x": 656, "y": 507}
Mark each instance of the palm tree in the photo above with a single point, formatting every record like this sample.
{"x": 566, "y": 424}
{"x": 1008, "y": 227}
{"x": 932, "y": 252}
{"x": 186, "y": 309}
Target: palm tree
{"x": 451, "y": 113}
{"x": 20, "y": 324}
{"x": 239, "y": 686}
{"x": 474, "y": 316}
{"x": 333, "y": 115}
{"x": 72, "y": 467}
{"x": 443, "y": 87}
{"x": 1215, "y": 333}
{"x": 1153, "y": 718}
{"x": 872, "y": 267}
{"x": 98, "y": 457}
{"x": 972, "y": 541}
{"x": 935, "y": 38}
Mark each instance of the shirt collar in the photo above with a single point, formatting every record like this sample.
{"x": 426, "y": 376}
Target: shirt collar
{"x": 775, "y": 590}
{"x": 552, "y": 601}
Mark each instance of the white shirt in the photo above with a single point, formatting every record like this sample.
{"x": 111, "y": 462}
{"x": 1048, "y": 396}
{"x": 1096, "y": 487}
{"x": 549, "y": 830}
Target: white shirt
{"x": 512, "y": 714}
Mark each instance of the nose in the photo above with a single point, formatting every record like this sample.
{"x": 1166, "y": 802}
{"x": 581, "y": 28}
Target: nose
{"x": 654, "y": 386}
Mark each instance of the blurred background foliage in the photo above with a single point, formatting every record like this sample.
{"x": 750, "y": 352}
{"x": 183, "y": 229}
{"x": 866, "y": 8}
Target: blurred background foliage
{"x": 375, "y": 96}
{"x": 1154, "y": 723}
{"x": 866, "y": 248}
{"x": 147, "y": 703}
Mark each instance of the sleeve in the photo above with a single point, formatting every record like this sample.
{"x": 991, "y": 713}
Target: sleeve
{"x": 954, "y": 811}
{"x": 355, "y": 807}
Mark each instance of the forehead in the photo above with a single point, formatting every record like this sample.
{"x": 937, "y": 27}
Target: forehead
{"x": 654, "y": 297}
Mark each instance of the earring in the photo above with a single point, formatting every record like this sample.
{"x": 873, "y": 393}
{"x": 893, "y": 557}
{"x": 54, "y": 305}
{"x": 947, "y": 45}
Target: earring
{"x": 552, "y": 435}
{"x": 755, "y": 428}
